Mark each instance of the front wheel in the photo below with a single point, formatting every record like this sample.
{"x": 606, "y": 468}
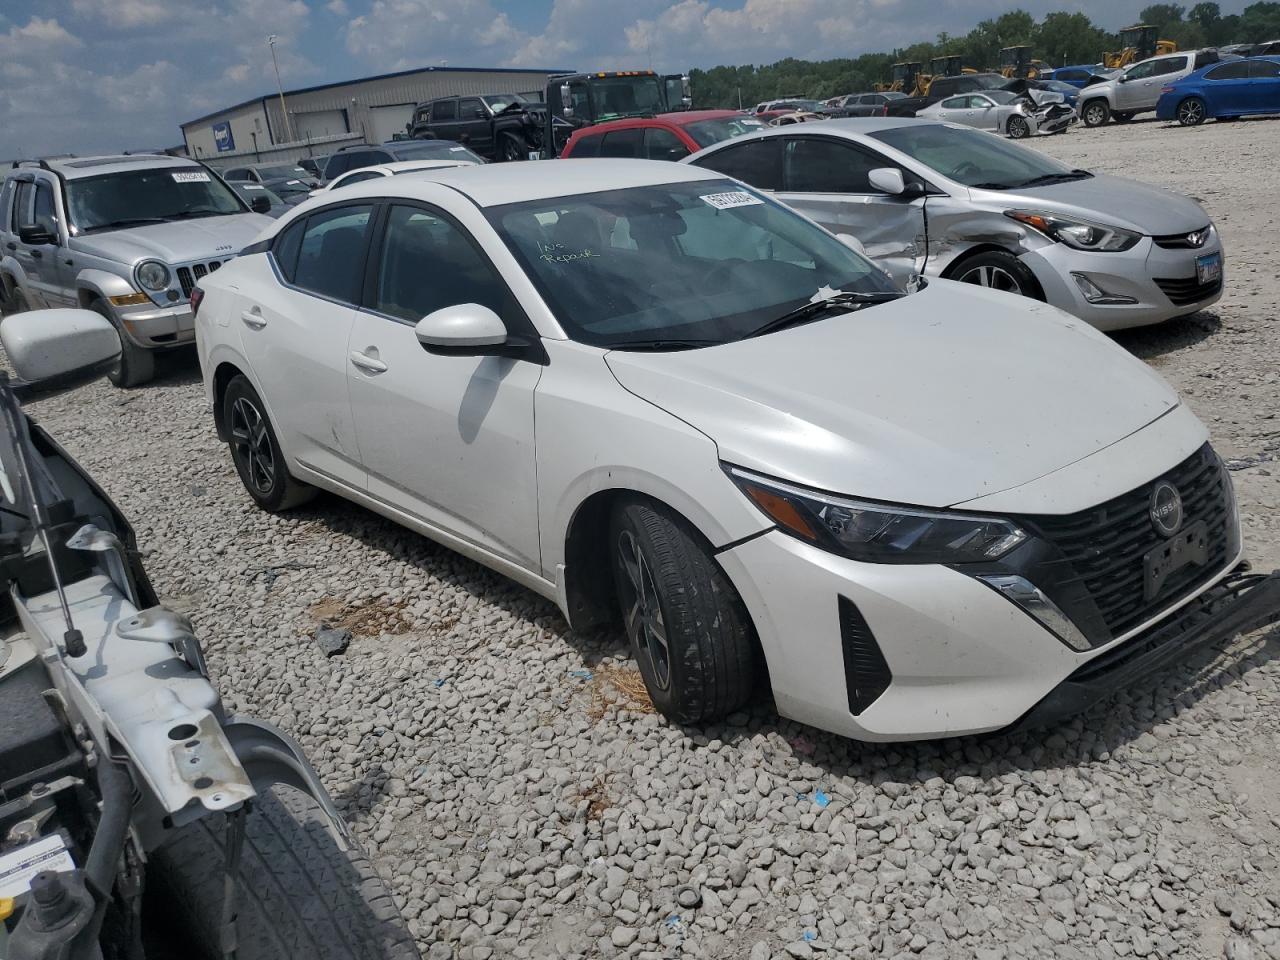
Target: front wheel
{"x": 1018, "y": 128}
{"x": 256, "y": 451}
{"x": 1191, "y": 112}
{"x": 135, "y": 365}
{"x": 513, "y": 148}
{"x": 1095, "y": 113}
{"x": 689, "y": 630}
{"x": 998, "y": 271}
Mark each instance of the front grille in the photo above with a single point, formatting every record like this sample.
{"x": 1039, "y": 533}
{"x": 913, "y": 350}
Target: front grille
{"x": 1184, "y": 290}
{"x": 189, "y": 276}
{"x": 866, "y": 674}
{"x": 1106, "y": 544}
{"x": 1181, "y": 241}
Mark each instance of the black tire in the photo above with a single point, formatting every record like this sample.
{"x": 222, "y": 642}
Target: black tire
{"x": 135, "y": 365}
{"x": 301, "y": 895}
{"x": 1122, "y": 116}
{"x": 1017, "y": 128}
{"x": 1191, "y": 112}
{"x": 711, "y": 660}
{"x": 1095, "y": 113}
{"x": 256, "y": 451}
{"x": 18, "y": 302}
{"x": 512, "y": 148}
{"x": 997, "y": 270}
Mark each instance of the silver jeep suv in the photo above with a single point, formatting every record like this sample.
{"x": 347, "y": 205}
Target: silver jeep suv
{"x": 1137, "y": 88}
{"x": 127, "y": 236}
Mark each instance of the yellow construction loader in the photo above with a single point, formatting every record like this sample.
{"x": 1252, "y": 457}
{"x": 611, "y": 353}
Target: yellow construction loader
{"x": 1137, "y": 43}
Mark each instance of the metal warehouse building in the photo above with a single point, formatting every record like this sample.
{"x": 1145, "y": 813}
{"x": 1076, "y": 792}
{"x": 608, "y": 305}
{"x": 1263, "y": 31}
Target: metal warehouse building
{"x": 321, "y": 119}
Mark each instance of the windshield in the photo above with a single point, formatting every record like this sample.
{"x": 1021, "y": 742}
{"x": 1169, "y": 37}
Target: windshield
{"x": 501, "y": 101}
{"x": 893, "y": 95}
{"x": 707, "y": 132}
{"x": 969, "y": 156}
{"x": 707, "y": 262}
{"x": 984, "y": 81}
{"x": 626, "y": 96}
{"x": 434, "y": 150}
{"x": 161, "y": 193}
{"x": 251, "y": 190}
{"x": 282, "y": 171}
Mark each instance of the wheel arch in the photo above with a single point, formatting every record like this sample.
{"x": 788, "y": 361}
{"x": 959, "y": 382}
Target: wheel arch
{"x": 223, "y": 373}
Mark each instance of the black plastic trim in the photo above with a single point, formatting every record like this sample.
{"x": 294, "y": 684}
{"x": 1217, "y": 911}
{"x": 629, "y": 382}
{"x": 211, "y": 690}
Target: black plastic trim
{"x": 866, "y": 674}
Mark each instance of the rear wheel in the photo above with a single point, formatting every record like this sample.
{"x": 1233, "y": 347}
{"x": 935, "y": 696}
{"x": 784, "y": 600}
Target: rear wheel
{"x": 513, "y": 148}
{"x": 1095, "y": 113}
{"x": 300, "y": 896}
{"x": 998, "y": 271}
{"x": 1122, "y": 116}
{"x": 1018, "y": 128}
{"x": 256, "y": 451}
{"x": 689, "y": 630}
{"x": 1191, "y": 112}
{"x": 135, "y": 365}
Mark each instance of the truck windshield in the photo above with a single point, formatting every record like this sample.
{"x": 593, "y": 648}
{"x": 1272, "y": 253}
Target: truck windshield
{"x": 614, "y": 97}
{"x": 131, "y": 197}
{"x": 677, "y": 265}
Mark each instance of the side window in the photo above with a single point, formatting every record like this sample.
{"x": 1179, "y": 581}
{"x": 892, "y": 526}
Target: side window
{"x": 587, "y": 147}
{"x": 336, "y": 166}
{"x": 22, "y": 205}
{"x": 444, "y": 110}
{"x": 357, "y": 177}
{"x": 1141, "y": 71}
{"x": 758, "y": 162}
{"x": 828, "y": 166}
{"x": 46, "y": 217}
{"x": 579, "y": 99}
{"x": 1258, "y": 69}
{"x": 1235, "y": 70}
{"x": 622, "y": 143}
{"x": 660, "y": 144}
{"x": 6, "y": 196}
{"x": 470, "y": 109}
{"x": 1172, "y": 65}
{"x": 429, "y": 262}
{"x": 285, "y": 249}
{"x": 329, "y": 262}
{"x": 955, "y": 103}
{"x": 363, "y": 158}
{"x": 236, "y": 173}
{"x": 380, "y": 156}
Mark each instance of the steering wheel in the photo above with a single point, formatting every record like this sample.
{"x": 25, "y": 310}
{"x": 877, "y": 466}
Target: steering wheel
{"x": 965, "y": 168}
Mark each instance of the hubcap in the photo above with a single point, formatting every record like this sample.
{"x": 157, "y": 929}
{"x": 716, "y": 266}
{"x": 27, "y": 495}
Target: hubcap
{"x": 641, "y": 610}
{"x": 997, "y": 278}
{"x": 1095, "y": 115}
{"x": 252, "y": 446}
{"x": 1191, "y": 112}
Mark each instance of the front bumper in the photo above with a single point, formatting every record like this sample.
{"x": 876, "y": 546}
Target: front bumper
{"x": 156, "y": 328}
{"x": 1129, "y": 275}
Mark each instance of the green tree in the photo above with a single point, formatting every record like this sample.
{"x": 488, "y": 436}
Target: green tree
{"x": 1064, "y": 38}
{"x": 1259, "y": 22}
{"x": 1162, "y": 14}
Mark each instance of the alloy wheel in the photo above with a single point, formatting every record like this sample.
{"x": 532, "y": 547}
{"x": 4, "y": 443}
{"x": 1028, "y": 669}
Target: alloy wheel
{"x": 252, "y": 445}
{"x": 1018, "y": 128}
{"x": 511, "y": 149}
{"x": 1190, "y": 113}
{"x": 1094, "y": 115}
{"x": 997, "y": 278}
{"x": 641, "y": 610}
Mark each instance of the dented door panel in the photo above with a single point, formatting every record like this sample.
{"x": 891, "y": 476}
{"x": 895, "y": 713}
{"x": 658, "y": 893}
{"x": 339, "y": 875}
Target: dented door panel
{"x": 890, "y": 229}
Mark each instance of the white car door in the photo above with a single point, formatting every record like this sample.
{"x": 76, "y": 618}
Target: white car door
{"x": 959, "y": 110}
{"x": 986, "y": 112}
{"x": 294, "y": 326}
{"x": 448, "y": 439}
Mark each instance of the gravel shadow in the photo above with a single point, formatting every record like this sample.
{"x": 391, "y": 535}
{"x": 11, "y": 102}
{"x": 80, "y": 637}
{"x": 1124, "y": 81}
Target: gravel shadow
{"x": 1150, "y": 343}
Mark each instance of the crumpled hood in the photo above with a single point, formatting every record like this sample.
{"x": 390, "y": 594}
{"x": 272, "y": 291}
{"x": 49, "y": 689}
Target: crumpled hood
{"x": 178, "y": 241}
{"x": 1113, "y": 200}
{"x": 946, "y": 395}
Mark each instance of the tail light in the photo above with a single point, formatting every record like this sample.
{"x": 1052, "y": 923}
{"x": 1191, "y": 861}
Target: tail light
{"x": 197, "y": 295}
{"x": 884, "y": 110}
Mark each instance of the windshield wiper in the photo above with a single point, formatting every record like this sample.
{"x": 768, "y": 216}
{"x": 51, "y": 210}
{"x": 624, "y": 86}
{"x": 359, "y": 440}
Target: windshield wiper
{"x": 665, "y": 343}
{"x": 987, "y": 185}
{"x": 851, "y": 300}
{"x": 130, "y": 222}
{"x": 202, "y": 212}
{"x": 1055, "y": 178}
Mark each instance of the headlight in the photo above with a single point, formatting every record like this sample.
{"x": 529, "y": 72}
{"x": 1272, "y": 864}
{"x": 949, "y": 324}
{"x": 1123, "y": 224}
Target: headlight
{"x": 877, "y": 532}
{"x": 153, "y": 275}
{"x": 1078, "y": 234}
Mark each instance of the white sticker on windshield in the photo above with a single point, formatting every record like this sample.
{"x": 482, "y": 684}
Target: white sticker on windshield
{"x": 294, "y": 181}
{"x": 726, "y": 201}
{"x": 456, "y": 149}
{"x": 193, "y": 176}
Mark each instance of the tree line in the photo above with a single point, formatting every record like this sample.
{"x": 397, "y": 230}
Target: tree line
{"x": 1058, "y": 39}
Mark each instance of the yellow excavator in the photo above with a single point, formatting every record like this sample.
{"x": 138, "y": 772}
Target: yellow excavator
{"x": 1137, "y": 43}
{"x": 1017, "y": 63}
{"x": 949, "y": 66}
{"x": 906, "y": 78}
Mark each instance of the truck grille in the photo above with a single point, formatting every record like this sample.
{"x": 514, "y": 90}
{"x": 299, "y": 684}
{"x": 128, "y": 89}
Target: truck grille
{"x": 1106, "y": 544}
{"x": 190, "y": 275}
{"x": 1182, "y": 291}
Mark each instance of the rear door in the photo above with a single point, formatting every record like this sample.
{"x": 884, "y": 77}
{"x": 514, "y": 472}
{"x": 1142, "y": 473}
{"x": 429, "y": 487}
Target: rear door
{"x": 1264, "y": 86}
{"x": 826, "y": 178}
{"x": 622, "y": 143}
{"x": 662, "y": 144}
{"x": 1226, "y": 88}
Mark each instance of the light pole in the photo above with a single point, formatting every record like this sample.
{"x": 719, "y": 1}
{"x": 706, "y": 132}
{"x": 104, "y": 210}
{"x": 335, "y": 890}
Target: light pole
{"x": 288, "y": 127}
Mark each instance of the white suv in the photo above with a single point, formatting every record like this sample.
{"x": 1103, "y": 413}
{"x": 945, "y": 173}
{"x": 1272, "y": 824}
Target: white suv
{"x": 651, "y": 393}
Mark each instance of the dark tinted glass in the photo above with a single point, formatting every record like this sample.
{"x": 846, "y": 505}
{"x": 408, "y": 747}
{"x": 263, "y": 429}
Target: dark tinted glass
{"x": 587, "y": 147}
{"x": 1235, "y": 70}
{"x": 660, "y": 144}
{"x": 470, "y": 109}
{"x": 285, "y": 249}
{"x": 758, "y": 163}
{"x": 337, "y": 165}
{"x": 444, "y": 110}
{"x": 329, "y": 262}
{"x": 45, "y": 218}
{"x": 355, "y": 159}
{"x": 21, "y": 206}
{"x": 621, "y": 143}
{"x": 1264, "y": 68}
{"x": 828, "y": 166}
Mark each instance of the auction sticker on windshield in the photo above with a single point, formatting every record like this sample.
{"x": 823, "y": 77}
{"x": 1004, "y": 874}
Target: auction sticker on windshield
{"x": 193, "y": 176}
{"x": 727, "y": 201}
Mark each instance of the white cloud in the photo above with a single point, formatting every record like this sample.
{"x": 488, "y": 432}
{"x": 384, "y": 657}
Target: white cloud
{"x": 134, "y": 13}
{"x": 398, "y": 34}
{"x": 338, "y": 7}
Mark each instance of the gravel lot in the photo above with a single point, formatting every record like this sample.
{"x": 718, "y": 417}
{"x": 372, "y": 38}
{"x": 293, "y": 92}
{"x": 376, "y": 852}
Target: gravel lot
{"x": 524, "y": 801}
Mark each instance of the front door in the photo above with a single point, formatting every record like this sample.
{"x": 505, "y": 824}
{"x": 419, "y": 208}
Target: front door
{"x": 448, "y": 439}
{"x": 826, "y": 179}
{"x": 34, "y": 205}
{"x": 473, "y": 122}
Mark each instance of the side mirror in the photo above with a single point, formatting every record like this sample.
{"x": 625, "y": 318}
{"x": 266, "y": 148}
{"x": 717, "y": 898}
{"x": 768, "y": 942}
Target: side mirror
{"x": 463, "y": 330}
{"x": 34, "y": 235}
{"x": 58, "y": 349}
{"x": 566, "y": 101}
{"x": 686, "y": 97}
{"x": 888, "y": 180}
{"x": 260, "y": 204}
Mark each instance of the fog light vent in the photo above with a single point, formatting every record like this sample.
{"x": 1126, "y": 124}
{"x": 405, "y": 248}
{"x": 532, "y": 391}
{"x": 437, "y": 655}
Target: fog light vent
{"x": 866, "y": 674}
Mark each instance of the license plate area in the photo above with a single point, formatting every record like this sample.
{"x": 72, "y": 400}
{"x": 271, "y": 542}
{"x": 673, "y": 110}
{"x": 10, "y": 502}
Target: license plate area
{"x": 1190, "y": 546}
{"x": 1209, "y": 268}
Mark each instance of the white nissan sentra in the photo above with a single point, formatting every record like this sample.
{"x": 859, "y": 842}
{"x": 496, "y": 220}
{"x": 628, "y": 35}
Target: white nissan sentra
{"x": 652, "y": 393}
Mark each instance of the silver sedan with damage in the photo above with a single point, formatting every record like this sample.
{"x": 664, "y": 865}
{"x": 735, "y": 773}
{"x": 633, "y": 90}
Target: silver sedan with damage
{"x": 1003, "y": 111}
{"x": 923, "y": 197}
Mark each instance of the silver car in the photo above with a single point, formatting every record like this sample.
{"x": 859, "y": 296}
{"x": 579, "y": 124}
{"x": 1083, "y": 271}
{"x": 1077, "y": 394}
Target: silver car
{"x": 1137, "y": 88}
{"x": 1002, "y": 111}
{"x": 127, "y": 236}
{"x": 944, "y": 200}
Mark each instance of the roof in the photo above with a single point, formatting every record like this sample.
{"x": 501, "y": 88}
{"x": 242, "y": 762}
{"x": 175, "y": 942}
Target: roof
{"x": 492, "y": 184}
{"x": 74, "y": 168}
{"x": 840, "y": 126}
{"x": 380, "y": 76}
{"x": 678, "y": 118}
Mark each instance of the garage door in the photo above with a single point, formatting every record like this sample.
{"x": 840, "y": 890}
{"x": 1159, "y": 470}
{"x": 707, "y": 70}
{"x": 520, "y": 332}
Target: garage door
{"x": 321, "y": 123}
{"x": 386, "y": 122}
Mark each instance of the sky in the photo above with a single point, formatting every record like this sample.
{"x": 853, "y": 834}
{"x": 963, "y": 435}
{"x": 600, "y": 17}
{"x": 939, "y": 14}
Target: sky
{"x": 89, "y": 76}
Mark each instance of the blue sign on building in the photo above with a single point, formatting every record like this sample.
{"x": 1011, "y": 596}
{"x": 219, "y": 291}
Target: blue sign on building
{"x": 222, "y": 137}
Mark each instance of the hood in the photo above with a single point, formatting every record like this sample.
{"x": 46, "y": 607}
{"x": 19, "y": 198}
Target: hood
{"x": 946, "y": 395}
{"x": 1114, "y": 200}
{"x": 177, "y": 241}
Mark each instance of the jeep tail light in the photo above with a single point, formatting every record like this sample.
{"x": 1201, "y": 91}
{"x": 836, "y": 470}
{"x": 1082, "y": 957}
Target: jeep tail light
{"x": 196, "y": 296}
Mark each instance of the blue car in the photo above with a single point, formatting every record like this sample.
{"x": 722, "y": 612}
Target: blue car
{"x": 1070, "y": 92}
{"x": 1079, "y": 75}
{"x": 1224, "y": 91}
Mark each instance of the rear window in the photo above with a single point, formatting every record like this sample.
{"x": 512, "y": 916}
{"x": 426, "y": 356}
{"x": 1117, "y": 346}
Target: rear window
{"x": 586, "y": 147}
{"x": 757, "y": 162}
{"x": 444, "y": 110}
{"x": 622, "y": 143}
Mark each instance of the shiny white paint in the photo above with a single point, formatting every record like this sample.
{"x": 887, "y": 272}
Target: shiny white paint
{"x": 42, "y": 344}
{"x": 400, "y": 167}
{"x": 954, "y": 394}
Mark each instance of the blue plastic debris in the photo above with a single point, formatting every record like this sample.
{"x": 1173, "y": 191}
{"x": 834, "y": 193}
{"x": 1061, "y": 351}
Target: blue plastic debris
{"x": 580, "y": 674}
{"x": 673, "y": 921}
{"x": 438, "y": 683}
{"x": 810, "y": 936}
{"x": 820, "y": 798}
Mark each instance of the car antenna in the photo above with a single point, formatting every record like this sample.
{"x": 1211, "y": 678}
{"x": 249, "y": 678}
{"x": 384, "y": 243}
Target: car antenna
{"x": 16, "y": 422}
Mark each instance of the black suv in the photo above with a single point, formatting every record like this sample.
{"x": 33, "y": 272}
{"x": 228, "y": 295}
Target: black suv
{"x": 503, "y": 126}
{"x": 369, "y": 155}
{"x": 943, "y": 87}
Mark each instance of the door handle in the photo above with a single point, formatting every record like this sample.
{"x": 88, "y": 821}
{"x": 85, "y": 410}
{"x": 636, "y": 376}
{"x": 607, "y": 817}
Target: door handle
{"x": 367, "y": 363}
{"x": 38, "y": 254}
{"x": 254, "y": 318}
{"x": 12, "y": 246}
